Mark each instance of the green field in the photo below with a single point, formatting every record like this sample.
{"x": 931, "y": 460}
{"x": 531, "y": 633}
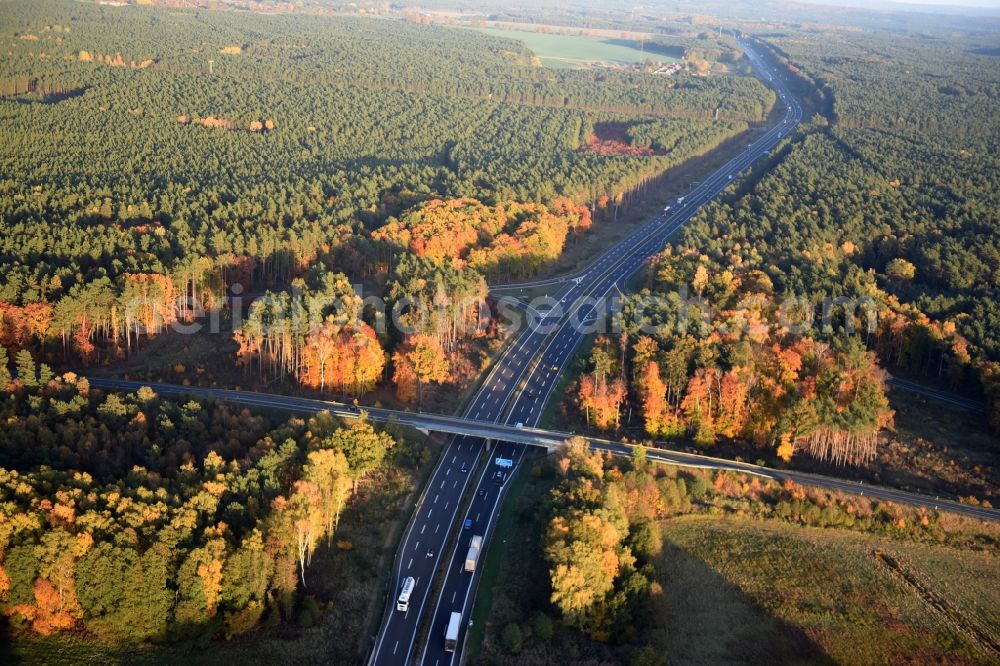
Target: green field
{"x": 573, "y": 51}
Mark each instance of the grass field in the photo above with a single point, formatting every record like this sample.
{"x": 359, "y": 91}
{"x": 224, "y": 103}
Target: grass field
{"x": 573, "y": 51}
{"x": 764, "y": 591}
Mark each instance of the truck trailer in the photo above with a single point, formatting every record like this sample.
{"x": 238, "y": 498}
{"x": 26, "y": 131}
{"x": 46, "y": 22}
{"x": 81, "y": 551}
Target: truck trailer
{"x": 451, "y": 633}
{"x": 475, "y": 545}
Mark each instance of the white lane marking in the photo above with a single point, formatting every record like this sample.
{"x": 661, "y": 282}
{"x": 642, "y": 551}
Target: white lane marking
{"x": 437, "y": 527}
{"x": 395, "y": 647}
{"x": 423, "y": 527}
{"x": 410, "y": 563}
{"x": 429, "y": 512}
{"x": 436, "y": 497}
{"x": 446, "y": 505}
{"x": 453, "y": 459}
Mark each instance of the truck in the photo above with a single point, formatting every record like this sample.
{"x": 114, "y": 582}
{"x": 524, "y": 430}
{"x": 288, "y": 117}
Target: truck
{"x": 451, "y": 633}
{"x": 403, "y": 601}
{"x": 475, "y": 544}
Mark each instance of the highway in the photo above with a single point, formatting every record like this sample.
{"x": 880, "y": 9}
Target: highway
{"x": 576, "y": 314}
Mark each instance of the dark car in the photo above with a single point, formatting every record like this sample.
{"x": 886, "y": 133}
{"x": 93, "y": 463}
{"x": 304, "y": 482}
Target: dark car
{"x": 465, "y": 468}
{"x": 499, "y": 477}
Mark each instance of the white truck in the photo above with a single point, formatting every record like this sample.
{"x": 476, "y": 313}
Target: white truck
{"x": 475, "y": 545}
{"x": 403, "y": 601}
{"x": 451, "y": 633}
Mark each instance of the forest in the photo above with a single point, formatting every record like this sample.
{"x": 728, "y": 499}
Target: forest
{"x": 870, "y": 242}
{"x": 135, "y": 518}
{"x": 164, "y": 157}
{"x": 869, "y": 202}
{"x": 735, "y": 370}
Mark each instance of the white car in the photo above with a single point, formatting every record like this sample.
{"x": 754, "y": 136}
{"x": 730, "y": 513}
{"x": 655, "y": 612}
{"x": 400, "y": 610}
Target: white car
{"x": 730, "y": 176}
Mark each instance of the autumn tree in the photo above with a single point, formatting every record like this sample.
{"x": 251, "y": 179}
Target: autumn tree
{"x": 329, "y": 470}
{"x": 419, "y": 359}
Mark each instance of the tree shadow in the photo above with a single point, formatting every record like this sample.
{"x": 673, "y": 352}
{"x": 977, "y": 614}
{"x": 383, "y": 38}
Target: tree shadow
{"x": 711, "y": 620}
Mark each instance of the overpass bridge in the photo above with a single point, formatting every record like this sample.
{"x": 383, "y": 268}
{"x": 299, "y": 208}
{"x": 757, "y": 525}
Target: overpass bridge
{"x": 548, "y": 439}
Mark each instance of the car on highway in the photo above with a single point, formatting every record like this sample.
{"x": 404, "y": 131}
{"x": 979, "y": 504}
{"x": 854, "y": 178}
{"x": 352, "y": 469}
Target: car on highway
{"x": 482, "y": 492}
{"x": 499, "y": 477}
{"x": 465, "y": 468}
{"x": 468, "y": 523}
{"x": 666, "y": 209}
{"x": 430, "y": 552}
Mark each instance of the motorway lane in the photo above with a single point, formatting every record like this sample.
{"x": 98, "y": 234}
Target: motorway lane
{"x": 458, "y": 584}
{"x": 398, "y": 631}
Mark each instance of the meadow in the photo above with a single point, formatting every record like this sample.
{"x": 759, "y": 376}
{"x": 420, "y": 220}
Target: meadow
{"x": 577, "y": 51}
